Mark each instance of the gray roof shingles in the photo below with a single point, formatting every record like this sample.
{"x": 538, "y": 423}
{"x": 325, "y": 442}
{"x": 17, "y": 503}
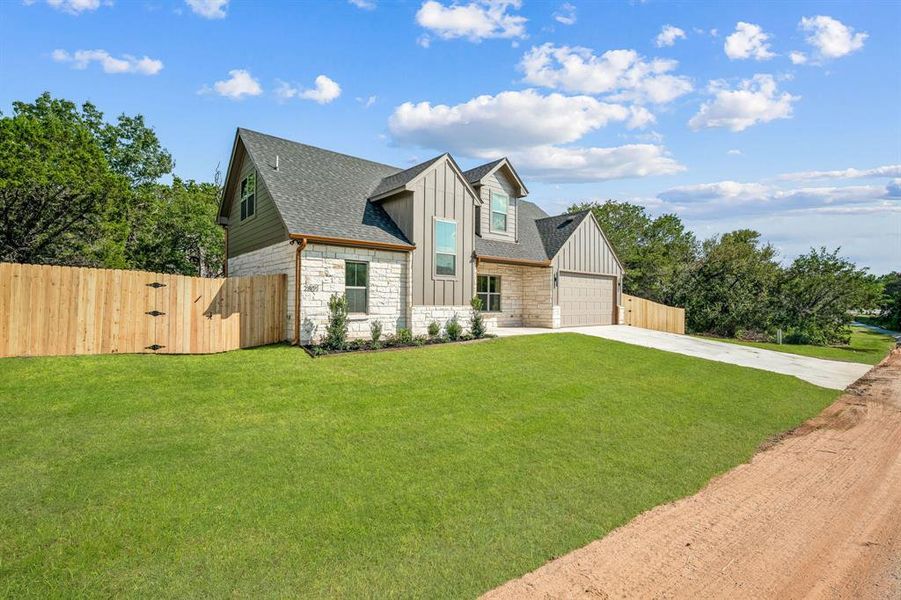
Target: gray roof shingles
{"x": 320, "y": 192}
{"x": 325, "y": 193}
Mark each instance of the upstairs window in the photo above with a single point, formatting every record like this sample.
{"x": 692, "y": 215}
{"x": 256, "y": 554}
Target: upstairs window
{"x": 499, "y": 204}
{"x": 445, "y": 248}
{"x": 356, "y": 286}
{"x": 248, "y": 196}
{"x": 488, "y": 289}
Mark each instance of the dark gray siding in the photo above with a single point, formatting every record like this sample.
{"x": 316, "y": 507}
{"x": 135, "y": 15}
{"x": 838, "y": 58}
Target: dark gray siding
{"x": 439, "y": 192}
{"x": 265, "y": 227}
{"x": 400, "y": 209}
{"x": 498, "y": 181}
{"x": 587, "y": 251}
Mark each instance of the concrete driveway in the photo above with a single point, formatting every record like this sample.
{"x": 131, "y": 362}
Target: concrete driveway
{"x": 825, "y": 373}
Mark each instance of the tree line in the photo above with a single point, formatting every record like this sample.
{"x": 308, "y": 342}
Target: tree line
{"x": 733, "y": 285}
{"x": 78, "y": 190}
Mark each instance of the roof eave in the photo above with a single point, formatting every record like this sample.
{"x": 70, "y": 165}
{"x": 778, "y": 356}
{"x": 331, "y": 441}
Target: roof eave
{"x": 352, "y": 243}
{"x": 512, "y": 261}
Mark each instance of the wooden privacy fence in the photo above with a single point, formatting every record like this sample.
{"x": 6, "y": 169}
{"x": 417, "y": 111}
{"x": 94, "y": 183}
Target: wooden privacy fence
{"x": 653, "y": 315}
{"x": 49, "y": 310}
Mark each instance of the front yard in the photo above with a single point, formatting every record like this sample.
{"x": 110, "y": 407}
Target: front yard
{"x": 435, "y": 472}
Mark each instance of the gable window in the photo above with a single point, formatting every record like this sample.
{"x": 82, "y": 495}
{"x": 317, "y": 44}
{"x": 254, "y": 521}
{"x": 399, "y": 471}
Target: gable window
{"x": 248, "y": 196}
{"x": 445, "y": 248}
{"x": 499, "y": 204}
{"x": 356, "y": 286}
{"x": 488, "y": 289}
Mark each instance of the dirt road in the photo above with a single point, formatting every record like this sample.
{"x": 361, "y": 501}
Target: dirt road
{"x": 816, "y": 515}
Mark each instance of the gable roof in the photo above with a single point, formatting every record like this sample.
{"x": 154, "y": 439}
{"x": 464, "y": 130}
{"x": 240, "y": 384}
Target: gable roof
{"x": 398, "y": 182}
{"x": 530, "y": 245}
{"x": 554, "y": 231}
{"x": 322, "y": 193}
{"x": 475, "y": 175}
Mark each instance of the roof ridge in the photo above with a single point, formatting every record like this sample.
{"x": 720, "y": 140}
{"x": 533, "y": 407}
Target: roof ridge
{"x": 284, "y": 139}
{"x": 566, "y": 214}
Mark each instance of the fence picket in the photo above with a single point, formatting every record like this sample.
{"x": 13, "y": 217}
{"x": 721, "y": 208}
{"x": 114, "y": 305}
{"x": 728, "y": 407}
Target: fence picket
{"x": 653, "y": 315}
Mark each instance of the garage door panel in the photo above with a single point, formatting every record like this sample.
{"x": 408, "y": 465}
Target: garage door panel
{"x": 586, "y": 299}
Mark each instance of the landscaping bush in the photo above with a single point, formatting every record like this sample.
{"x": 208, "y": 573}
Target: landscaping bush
{"x": 404, "y": 337}
{"x": 454, "y": 329}
{"x": 375, "y": 331}
{"x": 477, "y": 321}
{"x": 336, "y": 330}
{"x": 434, "y": 329}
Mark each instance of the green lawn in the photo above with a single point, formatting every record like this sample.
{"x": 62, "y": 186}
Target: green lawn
{"x": 433, "y": 472}
{"x": 866, "y": 347}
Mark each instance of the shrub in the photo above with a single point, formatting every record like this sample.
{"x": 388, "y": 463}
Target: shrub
{"x": 477, "y": 321}
{"x": 434, "y": 329}
{"x": 454, "y": 329}
{"x": 375, "y": 331}
{"x": 336, "y": 330}
{"x": 404, "y": 337}
{"x": 420, "y": 340}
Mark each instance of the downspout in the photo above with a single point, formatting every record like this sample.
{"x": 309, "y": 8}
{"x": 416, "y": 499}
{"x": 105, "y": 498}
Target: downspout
{"x": 297, "y": 287}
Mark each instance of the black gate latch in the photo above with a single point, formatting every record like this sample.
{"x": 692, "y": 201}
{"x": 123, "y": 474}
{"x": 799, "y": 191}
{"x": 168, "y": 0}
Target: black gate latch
{"x": 154, "y": 313}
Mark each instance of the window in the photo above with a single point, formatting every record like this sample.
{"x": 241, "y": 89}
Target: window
{"x": 445, "y": 248}
{"x": 248, "y": 196}
{"x": 356, "y": 286}
{"x": 488, "y": 289}
{"x": 499, "y": 203}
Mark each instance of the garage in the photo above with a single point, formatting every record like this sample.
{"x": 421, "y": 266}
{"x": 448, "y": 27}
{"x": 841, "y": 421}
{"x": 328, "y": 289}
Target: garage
{"x": 586, "y": 299}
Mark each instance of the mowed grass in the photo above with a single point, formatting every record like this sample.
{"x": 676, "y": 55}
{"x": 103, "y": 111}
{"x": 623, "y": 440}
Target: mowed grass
{"x": 867, "y": 347}
{"x": 433, "y": 472}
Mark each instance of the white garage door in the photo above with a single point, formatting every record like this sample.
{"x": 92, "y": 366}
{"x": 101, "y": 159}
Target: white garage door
{"x": 586, "y": 299}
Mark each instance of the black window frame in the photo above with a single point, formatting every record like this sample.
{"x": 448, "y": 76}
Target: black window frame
{"x": 355, "y": 284}
{"x": 248, "y": 198}
{"x": 487, "y": 295}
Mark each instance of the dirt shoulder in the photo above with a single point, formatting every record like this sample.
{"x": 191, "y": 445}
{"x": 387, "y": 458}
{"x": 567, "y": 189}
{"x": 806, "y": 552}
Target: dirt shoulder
{"x": 815, "y": 515}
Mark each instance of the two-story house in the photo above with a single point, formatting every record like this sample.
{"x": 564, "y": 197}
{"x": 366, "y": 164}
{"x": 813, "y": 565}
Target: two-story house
{"x": 409, "y": 246}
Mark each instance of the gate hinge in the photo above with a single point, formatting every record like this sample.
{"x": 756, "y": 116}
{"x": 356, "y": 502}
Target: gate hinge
{"x": 156, "y": 284}
{"x": 154, "y": 313}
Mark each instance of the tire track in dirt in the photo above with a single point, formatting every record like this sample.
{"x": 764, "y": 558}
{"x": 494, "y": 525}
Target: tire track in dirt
{"x": 817, "y": 515}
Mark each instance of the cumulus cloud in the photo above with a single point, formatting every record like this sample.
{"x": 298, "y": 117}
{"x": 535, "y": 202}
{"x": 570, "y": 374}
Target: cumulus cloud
{"x": 324, "y": 91}
{"x": 830, "y": 37}
{"x": 571, "y": 165}
{"x": 624, "y": 73}
{"x": 798, "y": 58}
{"x": 478, "y": 20}
{"x": 364, "y": 4}
{"x": 748, "y": 41}
{"x": 755, "y": 100}
{"x": 668, "y": 36}
{"x": 850, "y": 173}
{"x": 566, "y": 15}
{"x": 208, "y": 9}
{"x": 239, "y": 85}
{"x": 73, "y": 7}
{"x": 81, "y": 59}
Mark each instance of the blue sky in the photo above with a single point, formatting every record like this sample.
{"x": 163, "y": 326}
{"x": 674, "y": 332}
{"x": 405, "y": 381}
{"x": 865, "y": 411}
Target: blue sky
{"x": 780, "y": 116}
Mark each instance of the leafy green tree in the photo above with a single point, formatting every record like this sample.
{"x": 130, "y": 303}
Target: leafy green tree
{"x": 890, "y": 305}
{"x": 56, "y": 186}
{"x": 817, "y": 295}
{"x": 728, "y": 290}
{"x": 656, "y": 252}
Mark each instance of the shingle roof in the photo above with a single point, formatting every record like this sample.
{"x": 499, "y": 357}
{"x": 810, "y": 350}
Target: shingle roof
{"x": 320, "y": 192}
{"x": 530, "y": 246}
{"x": 475, "y": 175}
{"x": 554, "y": 231}
{"x": 392, "y": 182}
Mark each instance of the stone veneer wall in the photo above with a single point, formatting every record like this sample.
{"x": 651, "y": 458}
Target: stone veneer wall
{"x": 323, "y": 275}
{"x": 423, "y": 315}
{"x": 538, "y": 309}
{"x": 511, "y": 295}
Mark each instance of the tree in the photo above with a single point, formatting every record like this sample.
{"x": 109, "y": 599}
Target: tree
{"x": 728, "y": 289}
{"x": 890, "y": 305}
{"x": 56, "y": 185}
{"x": 817, "y": 295}
{"x": 655, "y": 252}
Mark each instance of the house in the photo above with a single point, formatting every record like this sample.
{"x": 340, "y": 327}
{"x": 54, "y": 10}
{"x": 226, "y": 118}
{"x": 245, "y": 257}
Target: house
{"x": 409, "y": 246}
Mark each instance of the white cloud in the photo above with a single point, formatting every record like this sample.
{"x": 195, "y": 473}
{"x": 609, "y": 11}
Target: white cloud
{"x": 748, "y": 41}
{"x": 668, "y": 36}
{"x": 366, "y": 102}
{"x": 851, "y": 173}
{"x": 798, "y": 58}
{"x": 566, "y": 15}
{"x": 734, "y": 152}
{"x": 73, "y": 7}
{"x": 893, "y": 189}
{"x": 571, "y": 165}
{"x": 364, "y": 4}
{"x": 756, "y": 100}
{"x": 239, "y": 85}
{"x": 478, "y": 20}
{"x": 492, "y": 125}
{"x": 623, "y": 72}
{"x": 80, "y": 59}
{"x": 324, "y": 91}
{"x": 208, "y": 9}
{"x": 830, "y": 37}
